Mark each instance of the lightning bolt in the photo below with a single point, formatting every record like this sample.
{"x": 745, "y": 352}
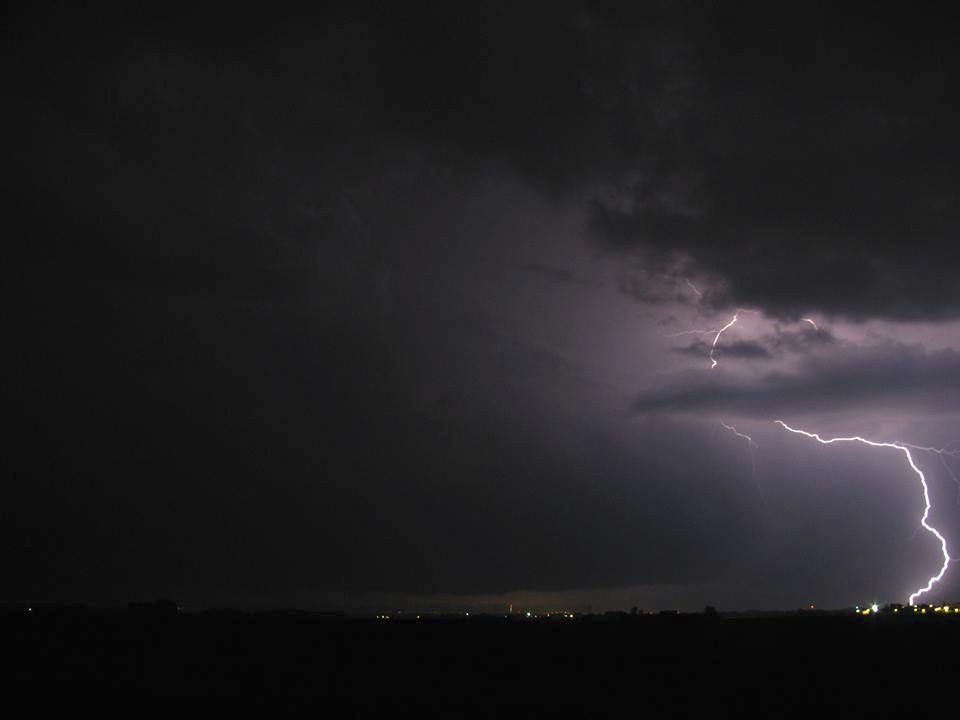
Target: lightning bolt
{"x": 753, "y": 458}
{"x": 809, "y": 320}
{"x": 951, "y": 473}
{"x": 716, "y": 338}
{"x": 905, "y": 449}
{"x": 733, "y": 429}
{"x": 943, "y": 453}
{"x": 694, "y": 288}
{"x": 716, "y": 333}
{"x": 691, "y": 332}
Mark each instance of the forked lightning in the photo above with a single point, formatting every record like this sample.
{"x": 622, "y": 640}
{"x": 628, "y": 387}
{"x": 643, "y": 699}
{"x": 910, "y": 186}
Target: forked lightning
{"x": 905, "y": 449}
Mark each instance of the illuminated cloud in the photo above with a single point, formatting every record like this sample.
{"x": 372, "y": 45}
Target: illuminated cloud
{"x": 900, "y": 378}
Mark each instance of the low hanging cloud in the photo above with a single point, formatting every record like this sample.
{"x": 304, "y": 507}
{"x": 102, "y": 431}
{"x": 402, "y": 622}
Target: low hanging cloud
{"x": 767, "y": 347}
{"x": 744, "y": 349}
{"x": 895, "y": 377}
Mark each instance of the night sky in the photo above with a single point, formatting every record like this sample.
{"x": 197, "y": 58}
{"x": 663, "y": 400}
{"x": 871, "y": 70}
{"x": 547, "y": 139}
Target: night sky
{"x": 380, "y": 306}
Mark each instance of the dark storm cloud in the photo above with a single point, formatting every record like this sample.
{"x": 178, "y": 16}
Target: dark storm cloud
{"x": 558, "y": 275}
{"x": 903, "y": 379}
{"x": 780, "y": 343}
{"x": 802, "y": 159}
{"x": 745, "y": 349}
{"x": 803, "y": 340}
{"x": 815, "y": 168}
{"x": 661, "y": 289}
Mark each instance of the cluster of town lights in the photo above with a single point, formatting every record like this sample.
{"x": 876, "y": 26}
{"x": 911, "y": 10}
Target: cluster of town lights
{"x": 559, "y": 613}
{"x": 916, "y": 609}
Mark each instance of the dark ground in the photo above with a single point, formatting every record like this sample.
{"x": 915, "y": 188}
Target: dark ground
{"x": 683, "y": 666}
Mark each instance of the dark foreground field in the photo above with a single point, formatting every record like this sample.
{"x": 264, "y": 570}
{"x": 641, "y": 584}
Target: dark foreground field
{"x": 682, "y": 666}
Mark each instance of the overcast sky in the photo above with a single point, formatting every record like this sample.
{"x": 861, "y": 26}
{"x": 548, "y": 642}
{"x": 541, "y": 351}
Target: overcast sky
{"x": 379, "y": 307}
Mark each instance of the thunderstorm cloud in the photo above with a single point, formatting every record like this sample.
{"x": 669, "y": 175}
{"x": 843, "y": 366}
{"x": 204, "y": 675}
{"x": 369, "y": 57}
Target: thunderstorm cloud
{"x": 906, "y": 379}
{"x": 383, "y": 298}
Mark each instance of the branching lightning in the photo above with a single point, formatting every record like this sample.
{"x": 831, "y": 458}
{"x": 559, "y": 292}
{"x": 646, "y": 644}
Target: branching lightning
{"x": 733, "y": 429}
{"x": 905, "y": 449}
{"x": 716, "y": 334}
{"x": 943, "y": 453}
{"x": 691, "y": 332}
{"x": 716, "y": 338}
{"x": 946, "y": 455}
{"x": 951, "y": 473}
{"x": 751, "y": 445}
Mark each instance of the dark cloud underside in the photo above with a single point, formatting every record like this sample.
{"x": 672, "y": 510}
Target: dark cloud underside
{"x": 894, "y": 378}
